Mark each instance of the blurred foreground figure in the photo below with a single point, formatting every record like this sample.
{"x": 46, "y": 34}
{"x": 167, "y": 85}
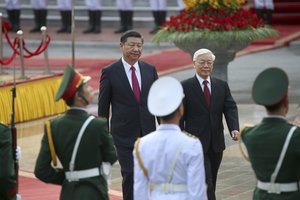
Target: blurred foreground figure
{"x": 274, "y": 144}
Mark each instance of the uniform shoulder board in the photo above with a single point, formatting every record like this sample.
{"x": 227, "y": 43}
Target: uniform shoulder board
{"x": 101, "y": 118}
{"x": 190, "y": 135}
{"x": 296, "y": 122}
{"x": 246, "y": 126}
{"x": 2, "y": 124}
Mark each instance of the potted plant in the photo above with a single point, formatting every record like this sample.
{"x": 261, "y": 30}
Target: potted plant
{"x": 223, "y": 26}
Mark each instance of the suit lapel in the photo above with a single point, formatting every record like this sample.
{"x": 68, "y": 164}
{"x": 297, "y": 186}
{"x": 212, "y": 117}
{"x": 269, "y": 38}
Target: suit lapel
{"x": 144, "y": 80}
{"x": 213, "y": 91}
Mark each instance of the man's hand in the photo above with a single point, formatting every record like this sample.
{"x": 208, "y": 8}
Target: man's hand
{"x": 18, "y": 153}
{"x": 235, "y": 135}
{"x": 18, "y": 197}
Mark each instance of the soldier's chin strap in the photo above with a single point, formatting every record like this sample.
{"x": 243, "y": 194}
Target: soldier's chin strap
{"x": 83, "y": 98}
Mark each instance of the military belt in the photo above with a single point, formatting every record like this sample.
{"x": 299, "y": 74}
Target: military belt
{"x": 168, "y": 187}
{"x": 80, "y": 174}
{"x": 278, "y": 187}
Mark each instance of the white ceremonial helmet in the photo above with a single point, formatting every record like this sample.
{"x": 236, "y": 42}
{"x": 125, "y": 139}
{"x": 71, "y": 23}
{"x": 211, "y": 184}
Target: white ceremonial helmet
{"x": 165, "y": 96}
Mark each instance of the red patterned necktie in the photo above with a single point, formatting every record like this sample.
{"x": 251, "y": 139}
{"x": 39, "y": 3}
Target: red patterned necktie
{"x": 135, "y": 85}
{"x": 206, "y": 92}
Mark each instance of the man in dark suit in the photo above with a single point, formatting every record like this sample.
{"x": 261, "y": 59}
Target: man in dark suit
{"x": 206, "y": 100}
{"x": 277, "y": 168}
{"x": 124, "y": 85}
{"x": 81, "y": 142}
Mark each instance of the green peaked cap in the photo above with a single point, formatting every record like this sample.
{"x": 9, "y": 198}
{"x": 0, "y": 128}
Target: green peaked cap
{"x": 71, "y": 81}
{"x": 270, "y": 86}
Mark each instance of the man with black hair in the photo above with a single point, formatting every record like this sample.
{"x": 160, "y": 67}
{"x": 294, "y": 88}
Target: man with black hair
{"x": 80, "y": 141}
{"x": 124, "y": 87}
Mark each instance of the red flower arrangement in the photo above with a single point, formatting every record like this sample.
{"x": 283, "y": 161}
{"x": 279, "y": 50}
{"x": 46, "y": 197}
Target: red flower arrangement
{"x": 214, "y": 20}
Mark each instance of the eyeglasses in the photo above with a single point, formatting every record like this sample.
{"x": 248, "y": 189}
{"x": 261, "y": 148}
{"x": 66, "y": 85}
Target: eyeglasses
{"x": 133, "y": 45}
{"x": 203, "y": 62}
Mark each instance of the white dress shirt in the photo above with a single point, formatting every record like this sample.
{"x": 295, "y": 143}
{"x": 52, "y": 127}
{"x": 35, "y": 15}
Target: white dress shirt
{"x": 200, "y": 79}
{"x": 128, "y": 72}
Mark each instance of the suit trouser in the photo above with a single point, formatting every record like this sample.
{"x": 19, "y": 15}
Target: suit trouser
{"x": 125, "y": 158}
{"x": 212, "y": 163}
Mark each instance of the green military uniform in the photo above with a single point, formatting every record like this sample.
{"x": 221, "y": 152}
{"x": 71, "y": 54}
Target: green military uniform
{"x": 265, "y": 141}
{"x": 95, "y": 147}
{"x": 7, "y": 170}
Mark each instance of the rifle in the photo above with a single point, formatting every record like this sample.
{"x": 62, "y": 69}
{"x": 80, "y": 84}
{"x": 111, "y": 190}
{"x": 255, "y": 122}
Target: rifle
{"x": 14, "y": 131}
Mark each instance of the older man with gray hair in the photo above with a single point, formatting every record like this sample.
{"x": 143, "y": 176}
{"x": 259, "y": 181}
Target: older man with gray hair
{"x": 206, "y": 100}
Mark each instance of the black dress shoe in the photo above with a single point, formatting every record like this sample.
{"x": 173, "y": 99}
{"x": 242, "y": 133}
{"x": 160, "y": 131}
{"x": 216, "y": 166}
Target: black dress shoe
{"x": 89, "y": 30}
{"x": 64, "y": 30}
{"x": 35, "y": 30}
{"x": 61, "y": 30}
{"x": 97, "y": 30}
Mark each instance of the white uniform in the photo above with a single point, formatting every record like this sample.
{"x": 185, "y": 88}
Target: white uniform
{"x": 158, "y": 151}
{"x": 124, "y": 4}
{"x": 12, "y": 4}
{"x": 39, "y": 4}
{"x": 64, "y": 4}
{"x": 93, "y": 4}
{"x": 267, "y": 4}
{"x": 180, "y": 4}
{"x": 158, "y": 4}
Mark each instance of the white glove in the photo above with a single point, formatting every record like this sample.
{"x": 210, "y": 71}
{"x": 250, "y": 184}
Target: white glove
{"x": 106, "y": 172}
{"x": 18, "y": 153}
{"x": 18, "y": 197}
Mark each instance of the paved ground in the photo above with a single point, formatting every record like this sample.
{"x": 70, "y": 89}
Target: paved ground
{"x": 236, "y": 180}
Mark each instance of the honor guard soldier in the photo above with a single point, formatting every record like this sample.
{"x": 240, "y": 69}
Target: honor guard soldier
{"x": 13, "y": 9}
{"x": 126, "y": 15}
{"x": 168, "y": 163}
{"x": 65, "y": 7}
{"x": 40, "y": 14}
{"x": 8, "y": 179}
{"x": 94, "y": 11}
{"x": 274, "y": 144}
{"x": 159, "y": 11}
{"x": 180, "y": 4}
{"x": 80, "y": 141}
{"x": 264, "y": 7}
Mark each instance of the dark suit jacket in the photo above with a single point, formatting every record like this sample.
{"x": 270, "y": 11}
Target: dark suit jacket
{"x": 206, "y": 123}
{"x": 96, "y": 146}
{"x": 129, "y": 119}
